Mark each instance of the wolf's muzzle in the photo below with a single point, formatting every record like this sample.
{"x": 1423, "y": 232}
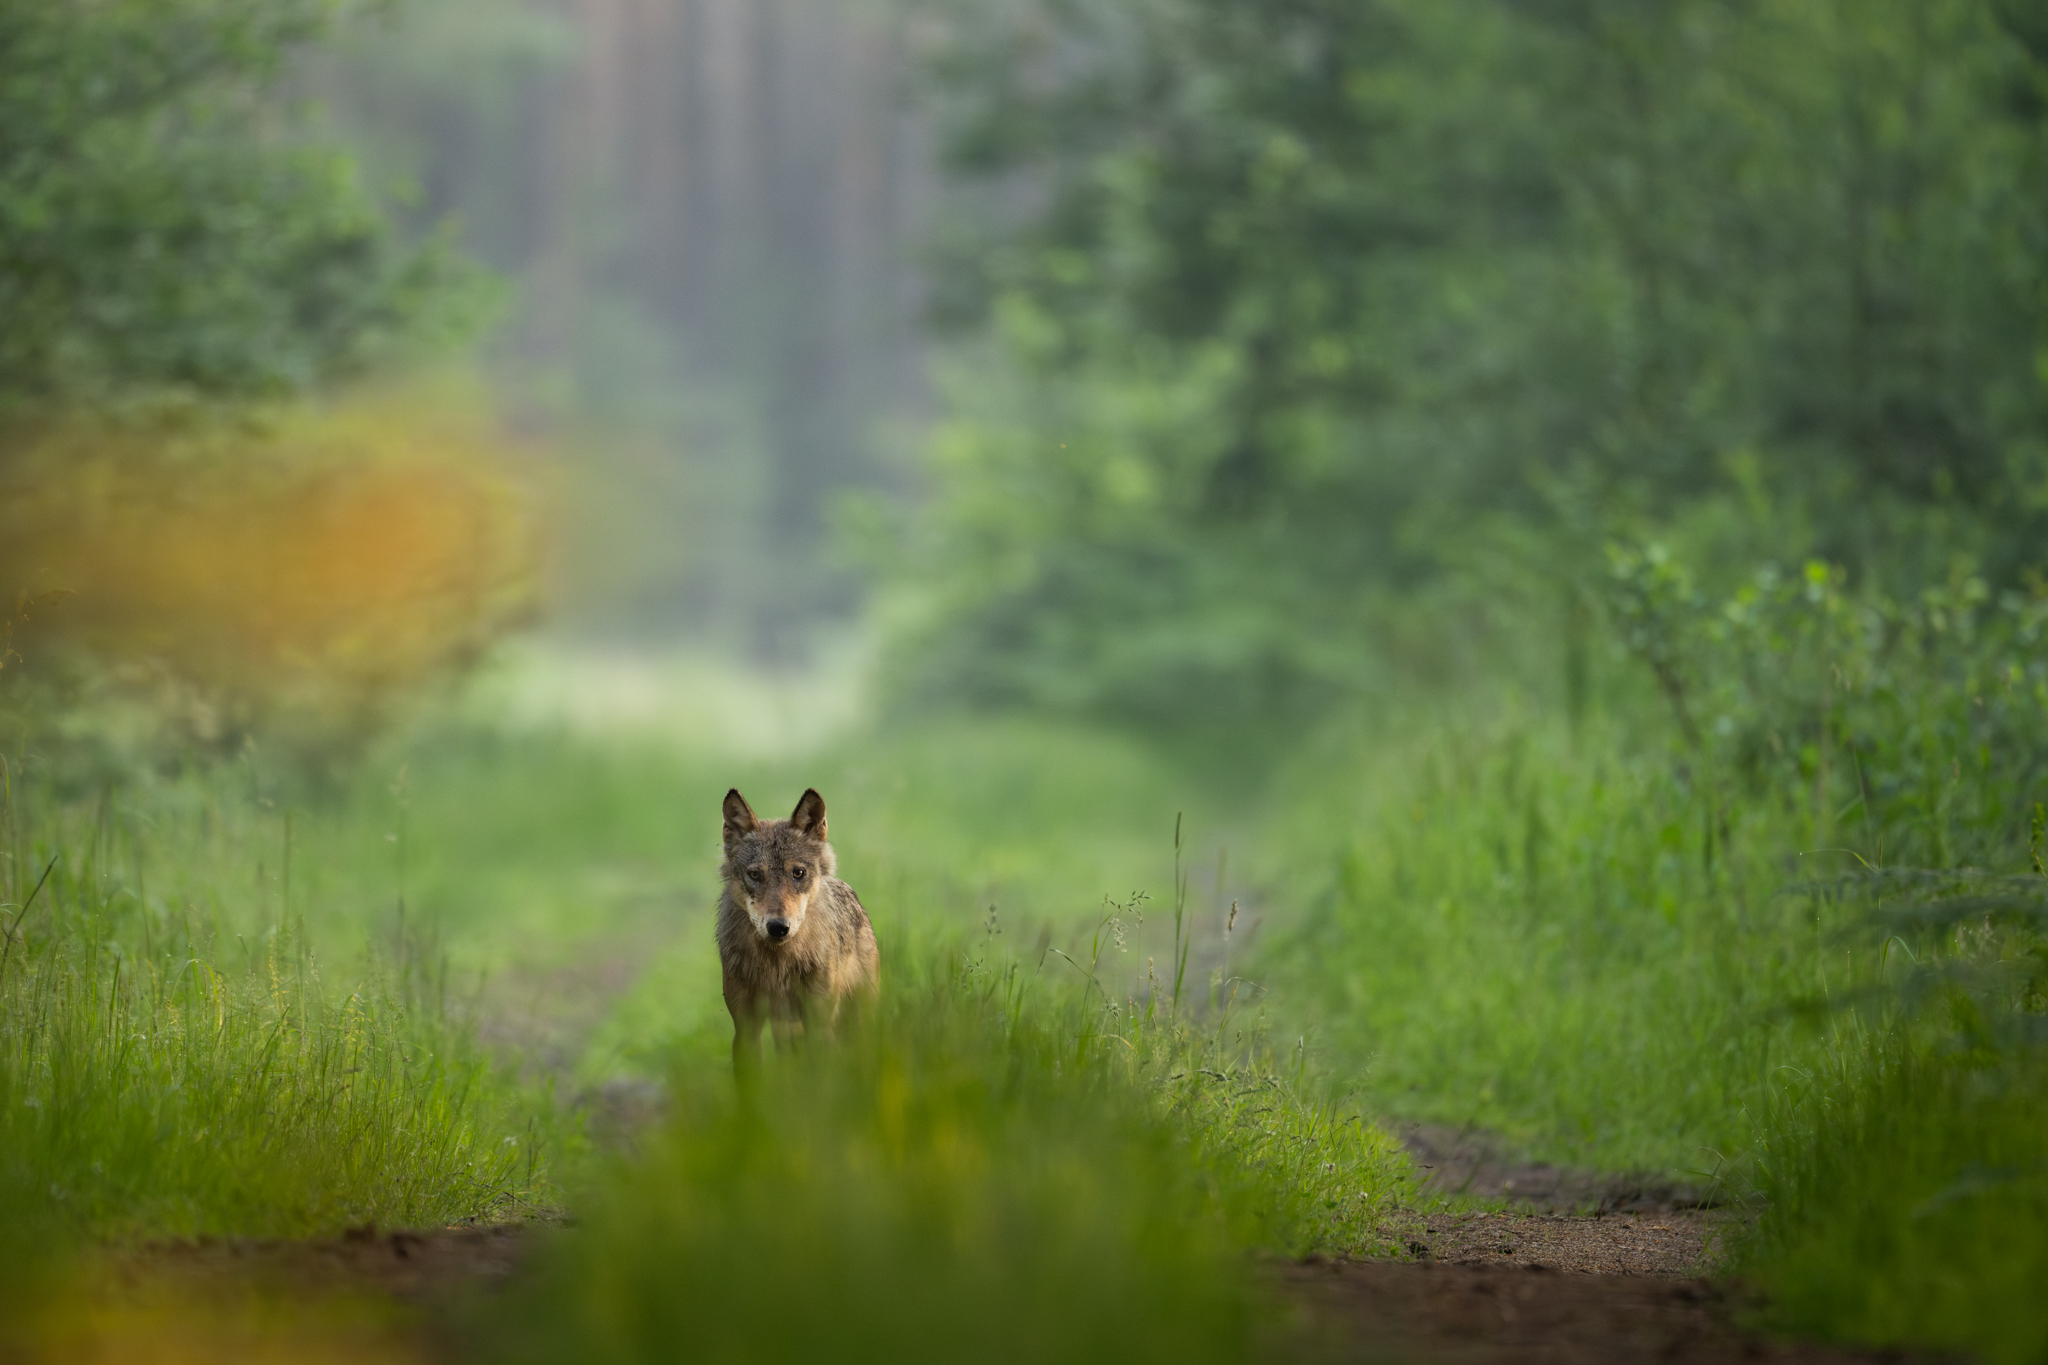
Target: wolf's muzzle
{"x": 778, "y": 929}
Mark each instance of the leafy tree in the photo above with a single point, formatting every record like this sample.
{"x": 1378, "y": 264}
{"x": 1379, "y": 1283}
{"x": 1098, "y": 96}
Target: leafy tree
{"x": 162, "y": 232}
{"x": 1304, "y": 301}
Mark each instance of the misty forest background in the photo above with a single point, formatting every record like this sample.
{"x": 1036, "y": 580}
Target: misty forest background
{"x": 1340, "y": 306}
{"x": 1362, "y": 295}
{"x": 1545, "y": 499}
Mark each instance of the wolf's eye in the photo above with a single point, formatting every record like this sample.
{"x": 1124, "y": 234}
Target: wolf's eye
{"x": 796, "y": 874}
{"x": 753, "y": 874}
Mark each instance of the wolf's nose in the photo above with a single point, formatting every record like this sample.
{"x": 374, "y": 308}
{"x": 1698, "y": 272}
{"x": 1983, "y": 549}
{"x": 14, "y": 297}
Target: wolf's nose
{"x": 778, "y": 929}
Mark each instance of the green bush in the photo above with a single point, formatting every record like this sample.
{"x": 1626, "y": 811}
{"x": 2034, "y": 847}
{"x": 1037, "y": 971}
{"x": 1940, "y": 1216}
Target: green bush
{"x": 163, "y": 240}
{"x": 1308, "y": 307}
{"x": 1744, "y": 922}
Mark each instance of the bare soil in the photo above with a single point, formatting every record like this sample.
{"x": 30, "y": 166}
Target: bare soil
{"x": 1574, "y": 1267}
{"x": 1470, "y": 1161}
{"x": 366, "y": 1298}
{"x": 1674, "y": 1244}
{"x": 1509, "y": 1315}
{"x": 417, "y": 1268}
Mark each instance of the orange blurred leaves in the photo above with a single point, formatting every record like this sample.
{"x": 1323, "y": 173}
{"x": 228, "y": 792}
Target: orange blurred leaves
{"x": 322, "y": 565}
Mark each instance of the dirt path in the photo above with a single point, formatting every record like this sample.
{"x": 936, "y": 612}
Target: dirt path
{"x": 1575, "y": 1268}
{"x": 363, "y": 1299}
{"x": 1488, "y": 1315}
{"x": 1557, "y": 1218}
{"x": 1672, "y": 1244}
{"x": 1468, "y": 1161}
{"x": 1488, "y": 1288}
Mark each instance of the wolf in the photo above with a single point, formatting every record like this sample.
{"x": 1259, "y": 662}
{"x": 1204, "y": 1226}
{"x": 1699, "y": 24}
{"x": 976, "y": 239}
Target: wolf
{"x": 794, "y": 941}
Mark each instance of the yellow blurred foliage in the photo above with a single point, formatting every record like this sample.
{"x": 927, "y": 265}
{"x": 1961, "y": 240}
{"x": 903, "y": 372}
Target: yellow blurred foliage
{"x": 309, "y": 571}
{"x": 217, "y": 1330}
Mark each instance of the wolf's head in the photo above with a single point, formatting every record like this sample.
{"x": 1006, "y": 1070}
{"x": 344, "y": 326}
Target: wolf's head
{"x": 775, "y": 866}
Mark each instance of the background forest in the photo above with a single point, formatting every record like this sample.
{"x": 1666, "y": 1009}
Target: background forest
{"x": 1546, "y": 499}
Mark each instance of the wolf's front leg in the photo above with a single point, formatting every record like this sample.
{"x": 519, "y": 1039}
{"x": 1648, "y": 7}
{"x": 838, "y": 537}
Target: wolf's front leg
{"x": 747, "y": 1017}
{"x": 788, "y": 1030}
{"x": 838, "y": 1012}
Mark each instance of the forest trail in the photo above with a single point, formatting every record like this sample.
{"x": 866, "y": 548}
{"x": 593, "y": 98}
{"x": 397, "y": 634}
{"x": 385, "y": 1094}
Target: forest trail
{"x": 1565, "y": 1265}
{"x": 1471, "y": 1314}
{"x": 1573, "y": 1268}
{"x": 1528, "y": 1283}
{"x": 1522, "y": 1287}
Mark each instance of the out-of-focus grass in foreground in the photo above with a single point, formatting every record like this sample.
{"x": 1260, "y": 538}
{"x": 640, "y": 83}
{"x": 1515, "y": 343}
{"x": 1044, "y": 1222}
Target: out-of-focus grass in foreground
{"x": 992, "y": 1168}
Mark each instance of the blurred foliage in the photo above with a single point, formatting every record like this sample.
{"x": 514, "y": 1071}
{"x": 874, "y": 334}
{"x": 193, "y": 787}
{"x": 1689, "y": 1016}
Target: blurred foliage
{"x": 163, "y": 234}
{"x": 297, "y": 578}
{"x": 1290, "y": 308}
{"x": 188, "y": 559}
{"x": 1914, "y": 729}
{"x": 907, "y": 1201}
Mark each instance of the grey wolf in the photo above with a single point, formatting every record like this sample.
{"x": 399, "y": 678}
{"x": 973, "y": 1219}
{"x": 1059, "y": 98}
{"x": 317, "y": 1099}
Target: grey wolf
{"x": 794, "y": 940}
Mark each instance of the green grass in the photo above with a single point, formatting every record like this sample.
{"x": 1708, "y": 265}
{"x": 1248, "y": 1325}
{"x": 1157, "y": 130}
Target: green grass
{"x": 1577, "y": 940}
{"x": 220, "y": 1020}
{"x": 1031, "y": 1151}
{"x": 1908, "y": 1202}
{"x": 993, "y": 1168}
{"x": 521, "y": 847}
{"x": 244, "y": 1006}
{"x": 176, "y": 1060}
{"x": 1905, "y": 1178}
{"x": 1547, "y": 936}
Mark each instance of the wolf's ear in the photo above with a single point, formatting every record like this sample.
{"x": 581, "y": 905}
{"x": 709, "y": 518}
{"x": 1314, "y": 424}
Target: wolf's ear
{"x": 739, "y": 817}
{"x": 809, "y": 816}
